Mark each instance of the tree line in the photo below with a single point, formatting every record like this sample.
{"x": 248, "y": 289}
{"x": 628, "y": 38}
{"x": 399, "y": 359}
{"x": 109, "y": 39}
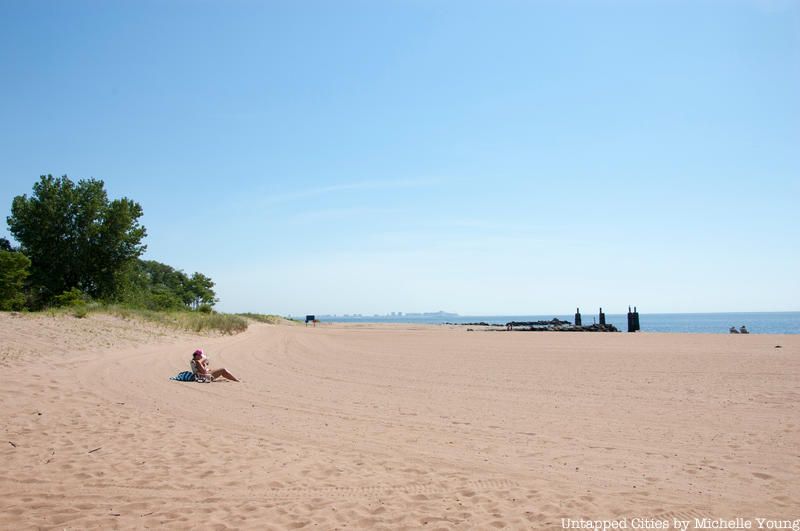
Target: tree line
{"x": 74, "y": 245}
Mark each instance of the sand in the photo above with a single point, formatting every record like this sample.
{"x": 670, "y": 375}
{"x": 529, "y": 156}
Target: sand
{"x": 391, "y": 427}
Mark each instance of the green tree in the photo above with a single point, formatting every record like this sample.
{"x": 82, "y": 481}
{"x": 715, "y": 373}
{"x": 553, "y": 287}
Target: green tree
{"x": 13, "y": 272}
{"x": 200, "y": 291}
{"x": 74, "y": 236}
{"x": 166, "y": 280}
{"x": 151, "y": 284}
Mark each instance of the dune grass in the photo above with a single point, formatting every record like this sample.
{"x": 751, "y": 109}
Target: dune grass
{"x": 265, "y": 318}
{"x": 178, "y": 319}
{"x": 186, "y": 320}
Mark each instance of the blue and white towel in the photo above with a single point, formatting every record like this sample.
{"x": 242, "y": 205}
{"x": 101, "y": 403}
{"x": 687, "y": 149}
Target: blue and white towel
{"x": 185, "y": 376}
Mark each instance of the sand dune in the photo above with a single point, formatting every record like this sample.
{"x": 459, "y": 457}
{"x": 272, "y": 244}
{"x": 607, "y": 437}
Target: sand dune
{"x": 391, "y": 427}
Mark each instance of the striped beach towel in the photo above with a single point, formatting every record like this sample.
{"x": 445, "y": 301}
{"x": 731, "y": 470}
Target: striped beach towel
{"x": 185, "y": 376}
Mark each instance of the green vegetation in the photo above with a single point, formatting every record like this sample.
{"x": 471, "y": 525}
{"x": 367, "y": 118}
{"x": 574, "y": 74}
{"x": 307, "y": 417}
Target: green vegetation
{"x": 181, "y": 319}
{"x": 80, "y": 311}
{"x": 74, "y": 300}
{"x": 264, "y": 318}
{"x": 14, "y": 269}
{"x": 79, "y": 252}
{"x": 173, "y": 319}
{"x": 73, "y": 297}
{"x": 156, "y": 286}
{"x": 75, "y": 237}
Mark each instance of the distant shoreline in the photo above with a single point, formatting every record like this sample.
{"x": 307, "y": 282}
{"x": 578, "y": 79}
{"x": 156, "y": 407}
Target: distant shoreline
{"x": 698, "y": 323}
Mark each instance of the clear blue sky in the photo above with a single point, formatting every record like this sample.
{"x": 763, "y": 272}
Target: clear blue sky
{"x": 479, "y": 157}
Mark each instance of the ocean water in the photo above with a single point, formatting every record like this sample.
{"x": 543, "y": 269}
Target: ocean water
{"x": 696, "y": 323}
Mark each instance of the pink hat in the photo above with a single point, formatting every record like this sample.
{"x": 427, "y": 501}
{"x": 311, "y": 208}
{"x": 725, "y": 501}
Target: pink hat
{"x": 199, "y": 352}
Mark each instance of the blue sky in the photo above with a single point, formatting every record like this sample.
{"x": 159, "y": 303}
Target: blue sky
{"x": 496, "y": 157}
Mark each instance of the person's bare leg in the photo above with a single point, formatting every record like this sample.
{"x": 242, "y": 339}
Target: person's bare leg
{"x": 225, "y": 374}
{"x": 229, "y": 376}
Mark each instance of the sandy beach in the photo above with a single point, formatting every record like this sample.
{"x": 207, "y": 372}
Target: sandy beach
{"x": 391, "y": 427}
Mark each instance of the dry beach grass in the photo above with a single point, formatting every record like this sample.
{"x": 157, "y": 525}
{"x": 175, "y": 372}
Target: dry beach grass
{"x": 391, "y": 427}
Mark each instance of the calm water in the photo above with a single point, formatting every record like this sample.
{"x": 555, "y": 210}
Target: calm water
{"x": 699, "y": 323}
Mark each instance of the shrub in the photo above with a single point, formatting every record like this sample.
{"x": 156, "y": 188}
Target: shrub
{"x": 73, "y": 297}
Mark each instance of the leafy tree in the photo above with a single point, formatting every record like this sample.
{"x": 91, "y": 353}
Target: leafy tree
{"x": 74, "y": 236}
{"x": 157, "y": 286}
{"x": 200, "y": 291}
{"x": 163, "y": 299}
{"x": 132, "y": 286}
{"x": 13, "y": 272}
{"x": 165, "y": 276}
{"x": 5, "y": 245}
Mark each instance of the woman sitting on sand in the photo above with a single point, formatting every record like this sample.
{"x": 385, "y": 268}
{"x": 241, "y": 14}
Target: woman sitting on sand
{"x": 202, "y": 373}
